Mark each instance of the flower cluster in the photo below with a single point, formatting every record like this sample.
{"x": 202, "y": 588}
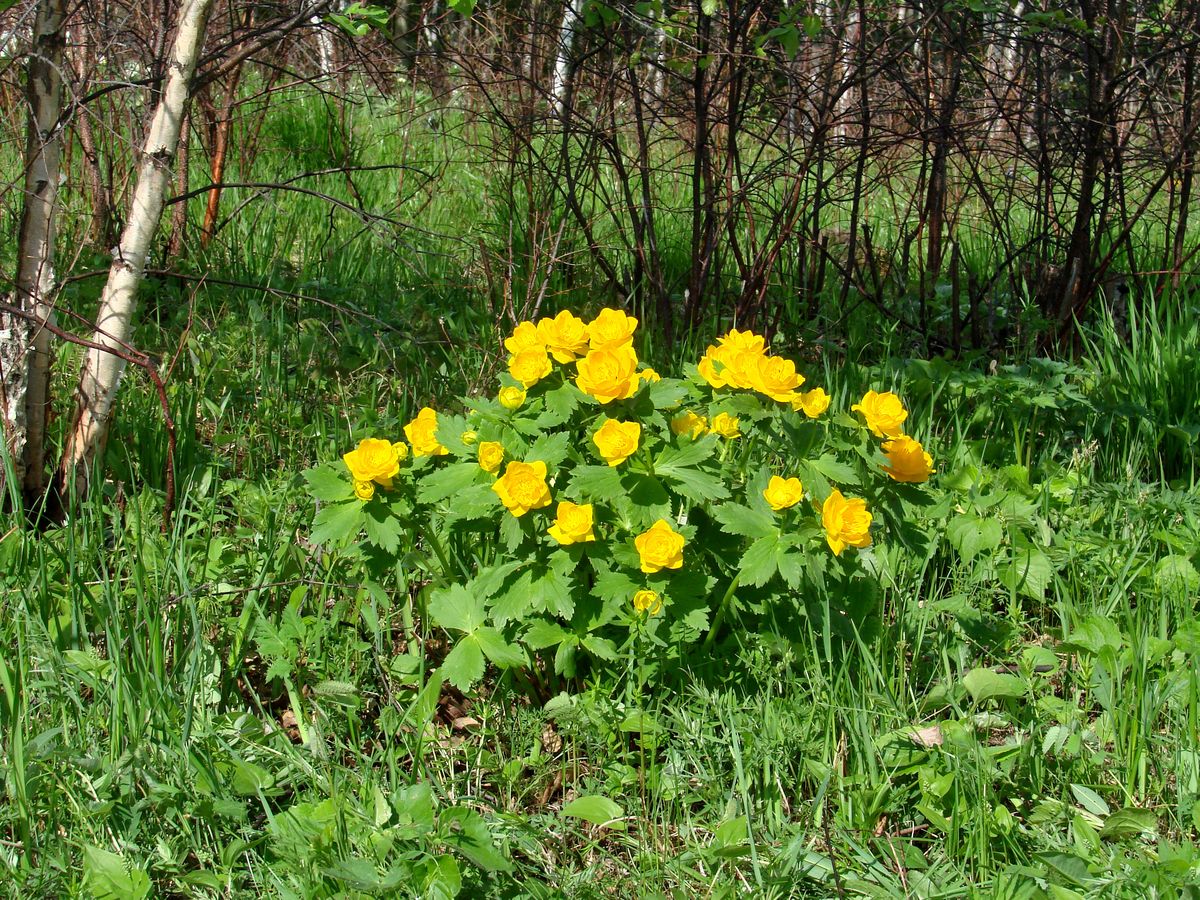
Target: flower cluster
{"x": 609, "y": 478}
{"x": 884, "y": 415}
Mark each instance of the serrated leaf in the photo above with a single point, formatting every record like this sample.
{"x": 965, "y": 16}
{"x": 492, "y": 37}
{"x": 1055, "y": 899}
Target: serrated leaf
{"x": 986, "y": 684}
{"x": 595, "y": 809}
{"x": 667, "y": 393}
{"x": 596, "y": 483}
{"x": 689, "y": 453}
{"x": 542, "y": 634}
{"x": 337, "y": 523}
{"x": 742, "y": 520}
{"x": 601, "y": 648}
{"x": 381, "y": 527}
{"x": 447, "y": 482}
{"x": 550, "y": 449}
{"x": 695, "y": 484}
{"x": 497, "y": 649}
{"x": 1176, "y": 573}
{"x": 835, "y": 470}
{"x": 758, "y": 563}
{"x": 476, "y": 501}
{"x": 463, "y": 666}
{"x": 329, "y": 485}
{"x": 456, "y": 608}
{"x": 560, "y": 403}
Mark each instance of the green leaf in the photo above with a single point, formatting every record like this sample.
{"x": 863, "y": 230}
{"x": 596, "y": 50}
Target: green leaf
{"x": 1030, "y": 572}
{"x": 1090, "y": 800}
{"x": 551, "y": 449}
{"x": 328, "y": 484}
{"x": 689, "y": 453}
{"x": 466, "y": 831}
{"x": 697, "y": 485}
{"x": 1073, "y": 868}
{"x": 1128, "y": 822}
{"x": 560, "y": 403}
{"x": 444, "y": 881}
{"x": 337, "y": 523}
{"x": 667, "y": 393}
{"x": 456, "y": 608}
{"x": 970, "y": 535}
{"x": 835, "y": 470}
{"x": 542, "y": 634}
{"x": 602, "y": 648}
{"x": 442, "y": 483}
{"x": 381, "y": 527}
{"x": 595, "y": 483}
{"x": 759, "y": 561}
{"x": 595, "y": 809}
{"x": 463, "y": 666}
{"x": 498, "y": 650}
{"x": 109, "y": 878}
{"x": 986, "y": 684}
{"x": 742, "y": 520}
{"x": 1176, "y": 573}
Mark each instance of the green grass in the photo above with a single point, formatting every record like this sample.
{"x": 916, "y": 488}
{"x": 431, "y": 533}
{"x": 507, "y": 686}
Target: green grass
{"x": 143, "y": 712}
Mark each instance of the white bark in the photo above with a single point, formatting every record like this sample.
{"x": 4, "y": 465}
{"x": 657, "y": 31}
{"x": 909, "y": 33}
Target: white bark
{"x": 102, "y": 371}
{"x": 324, "y": 47}
{"x": 24, "y": 345}
{"x": 562, "y": 63}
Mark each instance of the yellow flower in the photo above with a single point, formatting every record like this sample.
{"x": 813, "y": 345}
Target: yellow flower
{"x": 523, "y": 487}
{"x": 847, "y": 522}
{"x": 617, "y": 441}
{"x": 512, "y": 397}
{"x": 470, "y": 437}
{"x": 646, "y": 601}
{"x": 813, "y": 402}
{"x": 491, "y": 455}
{"x": 648, "y": 374}
{"x": 565, "y": 336}
{"x": 611, "y": 330}
{"x": 730, "y": 365}
{"x": 884, "y": 413}
{"x": 574, "y": 523}
{"x": 777, "y": 378}
{"x": 909, "y": 461}
{"x": 660, "y": 547}
{"x": 364, "y": 490}
{"x": 726, "y": 426}
{"x": 374, "y": 459}
{"x": 525, "y": 338}
{"x": 689, "y": 423}
{"x": 783, "y": 492}
{"x": 608, "y": 375}
{"x": 529, "y": 366}
{"x": 401, "y": 449}
{"x": 422, "y": 434}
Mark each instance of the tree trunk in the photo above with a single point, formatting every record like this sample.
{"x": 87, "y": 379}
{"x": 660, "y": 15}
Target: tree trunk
{"x": 24, "y": 345}
{"x": 562, "y": 62}
{"x": 102, "y": 371}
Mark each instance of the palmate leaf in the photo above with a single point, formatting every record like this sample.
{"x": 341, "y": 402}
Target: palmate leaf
{"x": 742, "y": 520}
{"x": 381, "y": 527}
{"x": 448, "y": 481}
{"x": 688, "y": 453}
{"x": 760, "y": 561}
{"x": 550, "y": 449}
{"x": 337, "y": 523}
{"x": 695, "y": 484}
{"x": 560, "y": 403}
{"x": 456, "y": 609}
{"x": 329, "y": 484}
{"x": 595, "y": 483}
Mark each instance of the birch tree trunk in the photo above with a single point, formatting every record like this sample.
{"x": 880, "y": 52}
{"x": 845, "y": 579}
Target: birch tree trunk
{"x": 24, "y": 345}
{"x": 562, "y": 61}
{"x": 101, "y": 374}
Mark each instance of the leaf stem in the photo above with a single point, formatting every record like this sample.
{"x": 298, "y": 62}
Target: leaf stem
{"x": 721, "y": 610}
